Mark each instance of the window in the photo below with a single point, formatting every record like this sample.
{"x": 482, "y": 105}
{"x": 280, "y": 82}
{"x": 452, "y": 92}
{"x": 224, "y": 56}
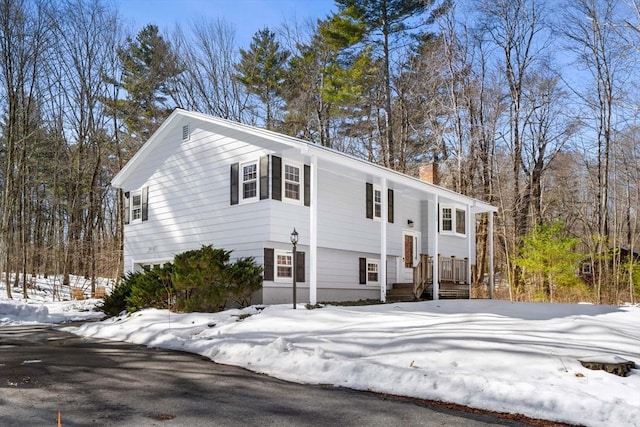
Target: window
{"x": 374, "y": 200}
{"x": 284, "y": 266}
{"x": 136, "y": 206}
{"x": 369, "y": 271}
{"x": 377, "y": 203}
{"x": 586, "y": 268}
{"x": 291, "y": 182}
{"x": 447, "y": 220}
{"x": 453, "y": 220}
{"x": 249, "y": 176}
{"x": 373, "y": 269}
{"x": 148, "y": 266}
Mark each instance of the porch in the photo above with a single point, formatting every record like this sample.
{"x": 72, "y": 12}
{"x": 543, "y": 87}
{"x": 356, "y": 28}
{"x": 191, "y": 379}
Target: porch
{"x": 453, "y": 280}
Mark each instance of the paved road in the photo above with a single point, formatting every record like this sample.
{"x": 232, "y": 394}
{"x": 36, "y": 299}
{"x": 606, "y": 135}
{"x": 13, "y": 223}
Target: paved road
{"x": 91, "y": 382}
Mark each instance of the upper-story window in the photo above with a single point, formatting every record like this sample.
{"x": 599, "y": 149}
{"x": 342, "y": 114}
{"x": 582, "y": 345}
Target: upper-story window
{"x": 136, "y": 206}
{"x": 377, "y": 203}
{"x": 249, "y": 175}
{"x": 292, "y": 182}
{"x": 452, "y": 220}
{"x": 374, "y": 199}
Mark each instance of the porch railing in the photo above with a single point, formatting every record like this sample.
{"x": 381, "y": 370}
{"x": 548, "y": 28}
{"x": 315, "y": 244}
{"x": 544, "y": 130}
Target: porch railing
{"x": 422, "y": 275}
{"x": 450, "y": 269}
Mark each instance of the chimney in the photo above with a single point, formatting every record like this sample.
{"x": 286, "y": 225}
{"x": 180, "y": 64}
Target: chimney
{"x": 428, "y": 172}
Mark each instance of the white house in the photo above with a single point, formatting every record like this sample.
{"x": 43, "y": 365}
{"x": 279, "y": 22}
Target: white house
{"x": 202, "y": 180}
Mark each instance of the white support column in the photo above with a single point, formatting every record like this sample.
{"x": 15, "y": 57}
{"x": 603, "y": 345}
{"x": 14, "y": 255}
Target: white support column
{"x": 383, "y": 241}
{"x": 436, "y": 265}
{"x": 490, "y": 239}
{"x": 313, "y": 230}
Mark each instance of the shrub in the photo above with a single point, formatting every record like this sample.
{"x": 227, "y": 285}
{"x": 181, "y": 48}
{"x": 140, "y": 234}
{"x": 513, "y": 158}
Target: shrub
{"x": 116, "y": 302}
{"x": 199, "y": 277}
{"x": 198, "y": 280}
{"x": 151, "y": 289}
{"x": 244, "y": 278}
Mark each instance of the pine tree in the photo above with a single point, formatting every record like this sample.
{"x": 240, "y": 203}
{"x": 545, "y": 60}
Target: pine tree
{"x": 262, "y": 69}
{"x": 149, "y": 64}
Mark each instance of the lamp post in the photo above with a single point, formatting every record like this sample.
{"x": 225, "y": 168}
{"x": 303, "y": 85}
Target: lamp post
{"x": 294, "y": 241}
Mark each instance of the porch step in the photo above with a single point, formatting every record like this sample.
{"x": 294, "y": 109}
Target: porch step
{"x": 400, "y": 292}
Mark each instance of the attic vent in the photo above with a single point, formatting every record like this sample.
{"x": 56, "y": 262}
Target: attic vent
{"x": 185, "y": 132}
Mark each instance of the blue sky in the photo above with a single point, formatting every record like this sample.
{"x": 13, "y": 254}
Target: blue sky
{"x": 247, "y": 16}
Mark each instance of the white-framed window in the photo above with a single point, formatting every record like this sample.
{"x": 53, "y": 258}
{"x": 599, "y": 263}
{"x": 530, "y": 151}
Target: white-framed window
{"x": 453, "y": 220}
{"x": 373, "y": 271}
{"x": 283, "y": 266}
{"x": 292, "y": 183}
{"x": 249, "y": 181}
{"x": 377, "y": 203}
{"x": 586, "y": 268}
{"x": 136, "y": 206}
{"x": 149, "y": 265}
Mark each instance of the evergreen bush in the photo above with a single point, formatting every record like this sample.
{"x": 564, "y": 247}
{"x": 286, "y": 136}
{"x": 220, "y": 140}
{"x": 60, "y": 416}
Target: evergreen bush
{"x": 151, "y": 289}
{"x": 116, "y": 302}
{"x": 199, "y": 280}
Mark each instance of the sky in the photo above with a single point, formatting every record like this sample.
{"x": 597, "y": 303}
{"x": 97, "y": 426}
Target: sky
{"x": 247, "y": 16}
{"x": 496, "y": 355}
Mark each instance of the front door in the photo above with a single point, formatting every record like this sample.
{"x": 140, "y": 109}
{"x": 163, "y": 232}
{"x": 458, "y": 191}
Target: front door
{"x": 411, "y": 253}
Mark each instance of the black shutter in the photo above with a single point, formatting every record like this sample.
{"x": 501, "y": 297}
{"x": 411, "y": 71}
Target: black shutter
{"x": 126, "y": 207}
{"x": 276, "y": 178}
{"x": 363, "y": 271}
{"x": 369, "y": 200}
{"x": 268, "y": 264}
{"x": 235, "y": 178}
{"x": 264, "y": 177}
{"x": 438, "y": 216}
{"x": 390, "y": 205}
{"x": 300, "y": 271}
{"x": 145, "y": 203}
{"x": 307, "y": 185}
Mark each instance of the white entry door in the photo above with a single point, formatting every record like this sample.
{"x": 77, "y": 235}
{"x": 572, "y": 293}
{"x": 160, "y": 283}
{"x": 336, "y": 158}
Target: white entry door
{"x": 411, "y": 253}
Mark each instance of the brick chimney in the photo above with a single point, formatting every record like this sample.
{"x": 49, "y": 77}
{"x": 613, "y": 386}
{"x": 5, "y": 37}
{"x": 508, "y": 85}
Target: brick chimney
{"x": 428, "y": 172}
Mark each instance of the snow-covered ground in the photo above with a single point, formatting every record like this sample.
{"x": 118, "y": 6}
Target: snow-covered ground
{"x": 495, "y": 355}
